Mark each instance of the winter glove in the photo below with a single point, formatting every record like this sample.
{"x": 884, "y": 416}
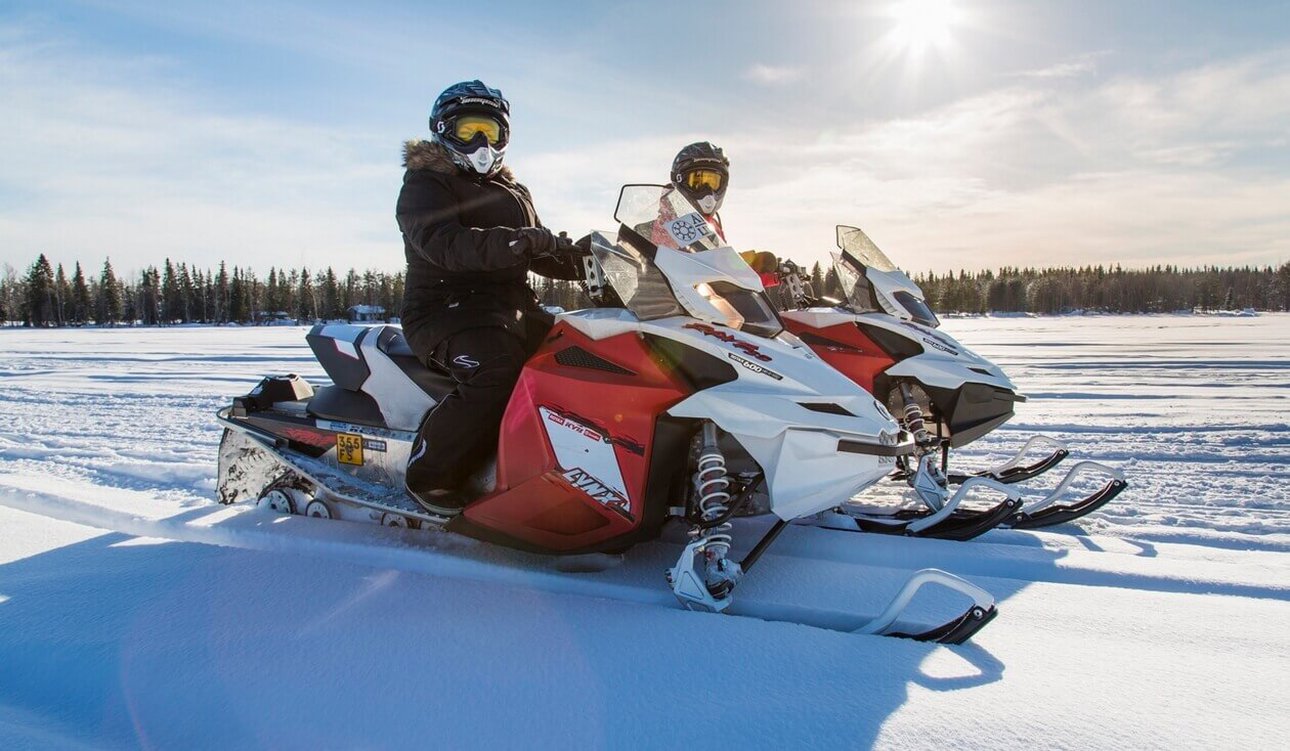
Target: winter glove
{"x": 533, "y": 242}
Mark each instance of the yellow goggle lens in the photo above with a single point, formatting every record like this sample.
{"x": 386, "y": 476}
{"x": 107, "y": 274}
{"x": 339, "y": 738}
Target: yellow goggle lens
{"x": 471, "y": 125}
{"x": 703, "y": 178}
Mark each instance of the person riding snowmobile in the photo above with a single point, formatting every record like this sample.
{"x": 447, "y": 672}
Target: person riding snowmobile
{"x": 471, "y": 236}
{"x": 701, "y": 172}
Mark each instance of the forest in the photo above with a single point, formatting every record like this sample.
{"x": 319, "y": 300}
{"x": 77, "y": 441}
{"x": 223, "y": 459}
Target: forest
{"x": 169, "y": 294}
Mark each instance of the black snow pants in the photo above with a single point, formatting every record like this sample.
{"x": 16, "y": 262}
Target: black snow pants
{"x": 460, "y": 433}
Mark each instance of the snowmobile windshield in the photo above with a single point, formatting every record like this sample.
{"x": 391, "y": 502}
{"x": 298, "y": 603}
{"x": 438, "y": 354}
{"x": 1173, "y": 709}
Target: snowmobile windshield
{"x": 872, "y": 283}
{"x": 853, "y": 241}
{"x": 855, "y": 286}
{"x": 666, "y": 218}
{"x": 667, "y": 260}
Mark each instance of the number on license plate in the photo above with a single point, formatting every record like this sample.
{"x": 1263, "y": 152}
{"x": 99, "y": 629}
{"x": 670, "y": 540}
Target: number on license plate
{"x": 349, "y": 449}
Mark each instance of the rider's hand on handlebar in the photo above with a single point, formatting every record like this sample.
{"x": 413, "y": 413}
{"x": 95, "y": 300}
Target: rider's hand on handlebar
{"x": 533, "y": 242}
{"x": 566, "y": 247}
{"x": 540, "y": 242}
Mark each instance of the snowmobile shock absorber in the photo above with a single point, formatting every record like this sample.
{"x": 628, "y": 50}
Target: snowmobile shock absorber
{"x": 712, "y": 493}
{"x": 710, "y": 539}
{"x": 914, "y": 417}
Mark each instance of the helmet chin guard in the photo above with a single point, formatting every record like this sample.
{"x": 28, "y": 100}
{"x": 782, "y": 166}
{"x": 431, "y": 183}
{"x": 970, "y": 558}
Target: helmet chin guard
{"x": 485, "y": 160}
{"x": 709, "y": 203}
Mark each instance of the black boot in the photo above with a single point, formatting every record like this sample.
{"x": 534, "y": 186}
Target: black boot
{"x": 442, "y": 503}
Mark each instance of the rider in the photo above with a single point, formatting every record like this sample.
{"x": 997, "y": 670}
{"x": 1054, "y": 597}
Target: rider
{"x": 471, "y": 236}
{"x": 701, "y": 172}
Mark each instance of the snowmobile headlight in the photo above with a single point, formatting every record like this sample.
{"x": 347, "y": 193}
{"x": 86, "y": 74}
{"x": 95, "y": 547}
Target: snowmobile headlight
{"x": 732, "y": 317}
{"x": 742, "y": 309}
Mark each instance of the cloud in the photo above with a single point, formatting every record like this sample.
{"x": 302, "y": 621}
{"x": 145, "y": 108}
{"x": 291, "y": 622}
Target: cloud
{"x": 114, "y": 158}
{"x": 1188, "y": 168}
{"x": 771, "y": 75}
{"x": 1081, "y": 66}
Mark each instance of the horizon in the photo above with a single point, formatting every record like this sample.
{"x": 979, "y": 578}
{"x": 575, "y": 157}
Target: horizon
{"x": 1075, "y": 134}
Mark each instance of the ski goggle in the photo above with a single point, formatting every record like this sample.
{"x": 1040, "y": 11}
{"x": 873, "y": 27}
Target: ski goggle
{"x": 468, "y": 126}
{"x": 700, "y": 179}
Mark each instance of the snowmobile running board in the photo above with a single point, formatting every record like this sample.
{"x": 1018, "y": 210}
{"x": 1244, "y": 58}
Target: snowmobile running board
{"x": 1013, "y": 470}
{"x": 345, "y": 487}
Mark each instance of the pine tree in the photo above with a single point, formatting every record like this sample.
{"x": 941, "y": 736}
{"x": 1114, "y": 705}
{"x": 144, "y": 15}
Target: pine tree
{"x": 40, "y": 307}
{"x": 187, "y": 294}
{"x": 306, "y": 303}
{"x": 172, "y": 295}
{"x": 817, "y": 280}
{"x": 221, "y": 295}
{"x": 62, "y": 295}
{"x": 237, "y": 311}
{"x": 81, "y": 301}
{"x": 109, "y": 304}
{"x": 331, "y": 307}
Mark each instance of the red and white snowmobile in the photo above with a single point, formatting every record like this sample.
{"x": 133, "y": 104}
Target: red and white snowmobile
{"x": 885, "y": 338}
{"x": 680, "y": 398}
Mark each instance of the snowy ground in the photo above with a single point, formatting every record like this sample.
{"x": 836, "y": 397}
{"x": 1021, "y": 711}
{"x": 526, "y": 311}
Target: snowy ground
{"x": 135, "y": 612}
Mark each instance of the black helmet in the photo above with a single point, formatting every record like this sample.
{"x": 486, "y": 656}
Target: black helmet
{"x": 701, "y": 172}
{"x": 473, "y": 123}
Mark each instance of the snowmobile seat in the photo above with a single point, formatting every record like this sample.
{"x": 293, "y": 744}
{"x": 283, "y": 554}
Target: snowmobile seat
{"x": 437, "y": 383}
{"x": 343, "y": 405}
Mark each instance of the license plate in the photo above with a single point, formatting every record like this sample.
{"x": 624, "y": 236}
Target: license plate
{"x": 349, "y": 449}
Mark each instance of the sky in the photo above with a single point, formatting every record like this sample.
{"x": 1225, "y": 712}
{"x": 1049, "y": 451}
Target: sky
{"x": 959, "y": 134}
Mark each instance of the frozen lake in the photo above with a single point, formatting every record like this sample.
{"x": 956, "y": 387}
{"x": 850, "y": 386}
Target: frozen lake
{"x": 136, "y": 612}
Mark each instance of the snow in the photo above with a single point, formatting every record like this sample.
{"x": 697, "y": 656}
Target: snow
{"x": 136, "y": 612}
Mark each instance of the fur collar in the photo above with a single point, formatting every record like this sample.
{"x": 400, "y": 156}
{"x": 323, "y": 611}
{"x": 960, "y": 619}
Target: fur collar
{"x": 428, "y": 155}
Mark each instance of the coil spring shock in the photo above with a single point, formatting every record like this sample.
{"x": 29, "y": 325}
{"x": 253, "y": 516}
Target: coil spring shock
{"x": 711, "y": 486}
{"x": 913, "y": 418}
{"x": 713, "y": 497}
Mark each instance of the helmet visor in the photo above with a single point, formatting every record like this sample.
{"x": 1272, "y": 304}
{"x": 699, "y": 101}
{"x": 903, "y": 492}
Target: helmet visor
{"x": 704, "y": 179}
{"x": 468, "y": 126}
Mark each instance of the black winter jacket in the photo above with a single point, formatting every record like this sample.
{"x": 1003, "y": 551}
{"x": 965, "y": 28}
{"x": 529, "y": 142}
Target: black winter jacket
{"x": 457, "y": 229}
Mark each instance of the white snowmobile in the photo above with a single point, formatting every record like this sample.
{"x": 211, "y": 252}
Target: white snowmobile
{"x": 681, "y": 398}
{"x": 885, "y": 338}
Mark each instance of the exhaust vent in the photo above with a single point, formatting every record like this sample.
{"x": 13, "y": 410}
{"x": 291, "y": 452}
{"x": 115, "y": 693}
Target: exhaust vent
{"x": 577, "y": 357}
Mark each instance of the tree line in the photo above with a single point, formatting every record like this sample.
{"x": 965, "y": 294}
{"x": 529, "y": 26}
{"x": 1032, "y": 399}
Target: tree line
{"x": 179, "y": 293}
{"x": 1159, "y": 289}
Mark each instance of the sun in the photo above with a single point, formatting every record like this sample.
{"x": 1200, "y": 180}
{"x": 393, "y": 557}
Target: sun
{"x": 923, "y": 24}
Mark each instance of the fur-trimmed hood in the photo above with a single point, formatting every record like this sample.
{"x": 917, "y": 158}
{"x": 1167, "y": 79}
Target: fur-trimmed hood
{"x": 428, "y": 155}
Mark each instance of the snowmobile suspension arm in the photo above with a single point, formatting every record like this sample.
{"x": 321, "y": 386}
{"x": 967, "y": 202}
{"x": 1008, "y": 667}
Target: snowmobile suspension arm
{"x": 762, "y": 544}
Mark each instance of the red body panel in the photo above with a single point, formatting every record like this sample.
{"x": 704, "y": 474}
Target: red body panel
{"x": 847, "y": 350}
{"x": 534, "y": 502}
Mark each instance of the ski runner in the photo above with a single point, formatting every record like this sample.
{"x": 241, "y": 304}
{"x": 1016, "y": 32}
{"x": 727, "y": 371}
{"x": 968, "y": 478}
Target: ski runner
{"x": 471, "y": 236}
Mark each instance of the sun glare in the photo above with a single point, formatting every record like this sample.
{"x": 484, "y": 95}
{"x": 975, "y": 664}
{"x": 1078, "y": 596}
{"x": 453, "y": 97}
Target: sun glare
{"x": 920, "y": 24}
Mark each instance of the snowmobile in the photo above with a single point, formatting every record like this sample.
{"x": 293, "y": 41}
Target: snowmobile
{"x": 678, "y": 397}
{"x": 886, "y": 338}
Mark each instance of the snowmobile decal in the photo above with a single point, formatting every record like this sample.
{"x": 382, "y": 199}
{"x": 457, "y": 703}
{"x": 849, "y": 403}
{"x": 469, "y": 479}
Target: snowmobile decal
{"x": 686, "y": 229}
{"x": 754, "y": 367}
{"x": 748, "y": 348}
{"x": 586, "y": 457}
{"x": 367, "y": 430}
{"x": 597, "y": 490}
